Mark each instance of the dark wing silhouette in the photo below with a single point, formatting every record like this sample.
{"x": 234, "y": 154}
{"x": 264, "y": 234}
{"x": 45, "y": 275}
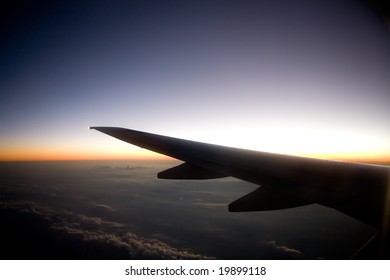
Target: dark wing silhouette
{"x": 358, "y": 190}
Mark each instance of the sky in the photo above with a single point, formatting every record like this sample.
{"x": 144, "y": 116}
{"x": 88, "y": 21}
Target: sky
{"x": 307, "y": 78}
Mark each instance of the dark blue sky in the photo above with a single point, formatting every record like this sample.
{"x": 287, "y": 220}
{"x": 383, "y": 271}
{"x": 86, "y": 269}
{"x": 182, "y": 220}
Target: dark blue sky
{"x": 308, "y": 77}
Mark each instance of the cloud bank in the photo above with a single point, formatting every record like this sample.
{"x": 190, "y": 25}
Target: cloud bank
{"x": 68, "y": 235}
{"x": 288, "y": 252}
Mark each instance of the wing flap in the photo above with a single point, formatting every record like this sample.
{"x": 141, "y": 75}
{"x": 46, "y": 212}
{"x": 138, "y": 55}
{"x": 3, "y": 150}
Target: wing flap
{"x": 187, "y": 171}
{"x": 263, "y": 200}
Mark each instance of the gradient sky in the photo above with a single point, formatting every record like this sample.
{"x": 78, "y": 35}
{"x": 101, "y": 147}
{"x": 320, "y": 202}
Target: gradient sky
{"x": 298, "y": 77}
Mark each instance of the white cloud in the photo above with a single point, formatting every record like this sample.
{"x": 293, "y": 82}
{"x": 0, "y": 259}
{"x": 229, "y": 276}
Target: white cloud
{"x": 95, "y": 234}
{"x": 293, "y": 253}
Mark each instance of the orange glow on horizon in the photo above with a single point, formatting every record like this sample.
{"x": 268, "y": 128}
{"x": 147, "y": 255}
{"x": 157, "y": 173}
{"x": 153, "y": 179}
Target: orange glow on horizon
{"x": 51, "y": 155}
{"x": 364, "y": 158}
{"x": 141, "y": 154}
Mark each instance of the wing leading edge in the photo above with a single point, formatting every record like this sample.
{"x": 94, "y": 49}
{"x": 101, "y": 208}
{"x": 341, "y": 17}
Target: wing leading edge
{"x": 358, "y": 190}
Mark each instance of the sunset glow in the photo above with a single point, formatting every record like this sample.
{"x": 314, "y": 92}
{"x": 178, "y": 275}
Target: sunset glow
{"x": 302, "y": 80}
{"x": 115, "y": 149}
{"x": 273, "y": 118}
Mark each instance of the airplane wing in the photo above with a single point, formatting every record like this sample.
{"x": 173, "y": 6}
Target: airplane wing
{"x": 358, "y": 190}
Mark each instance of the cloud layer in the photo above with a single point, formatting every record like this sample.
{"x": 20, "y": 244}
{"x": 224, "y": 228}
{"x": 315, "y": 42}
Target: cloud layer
{"x": 76, "y": 236}
{"x": 78, "y": 210}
